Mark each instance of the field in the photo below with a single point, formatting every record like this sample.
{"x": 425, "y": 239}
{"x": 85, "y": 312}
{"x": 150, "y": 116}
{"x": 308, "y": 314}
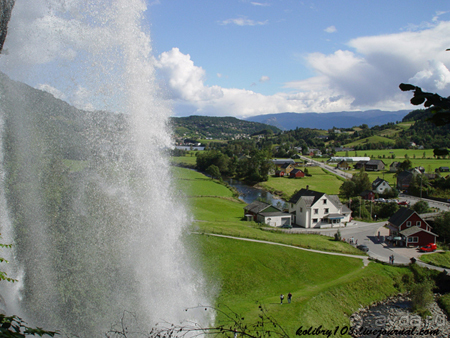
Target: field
{"x": 441, "y": 259}
{"x": 320, "y": 181}
{"x": 423, "y": 158}
{"x": 241, "y": 276}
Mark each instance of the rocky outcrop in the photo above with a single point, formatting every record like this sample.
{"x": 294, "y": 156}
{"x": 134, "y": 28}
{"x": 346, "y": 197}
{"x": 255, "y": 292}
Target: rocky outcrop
{"x": 393, "y": 318}
{"x": 6, "y": 7}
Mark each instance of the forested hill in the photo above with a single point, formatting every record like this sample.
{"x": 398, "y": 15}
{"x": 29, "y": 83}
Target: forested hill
{"x": 425, "y": 132}
{"x": 217, "y": 127}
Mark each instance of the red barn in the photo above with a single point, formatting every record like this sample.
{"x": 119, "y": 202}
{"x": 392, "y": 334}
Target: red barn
{"x": 407, "y": 228}
{"x": 296, "y": 173}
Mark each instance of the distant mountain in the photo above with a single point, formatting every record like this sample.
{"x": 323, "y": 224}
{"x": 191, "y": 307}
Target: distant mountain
{"x": 288, "y": 121}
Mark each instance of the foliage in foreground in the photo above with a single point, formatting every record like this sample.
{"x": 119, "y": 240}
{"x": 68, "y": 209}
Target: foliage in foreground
{"x": 264, "y": 326}
{"x": 15, "y": 327}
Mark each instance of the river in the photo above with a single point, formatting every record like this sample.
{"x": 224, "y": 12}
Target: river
{"x": 248, "y": 193}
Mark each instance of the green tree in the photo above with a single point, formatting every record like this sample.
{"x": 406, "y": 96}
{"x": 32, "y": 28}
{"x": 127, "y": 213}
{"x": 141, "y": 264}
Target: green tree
{"x": 214, "y": 172}
{"x": 442, "y": 226}
{"x": 421, "y": 207}
{"x": 347, "y": 189}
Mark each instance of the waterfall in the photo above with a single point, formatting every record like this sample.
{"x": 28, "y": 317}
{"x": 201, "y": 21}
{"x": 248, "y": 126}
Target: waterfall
{"x": 86, "y": 195}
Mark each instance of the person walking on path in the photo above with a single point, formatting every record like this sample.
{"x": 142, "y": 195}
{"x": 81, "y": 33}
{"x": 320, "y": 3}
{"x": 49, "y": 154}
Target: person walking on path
{"x": 281, "y": 298}
{"x": 289, "y": 297}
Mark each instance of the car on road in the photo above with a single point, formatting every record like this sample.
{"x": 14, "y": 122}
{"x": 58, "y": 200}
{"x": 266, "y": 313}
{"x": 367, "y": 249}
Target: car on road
{"x": 402, "y": 203}
{"x": 428, "y": 248}
{"x": 363, "y": 247}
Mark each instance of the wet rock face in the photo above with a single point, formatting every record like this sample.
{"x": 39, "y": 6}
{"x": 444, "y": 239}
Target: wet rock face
{"x": 6, "y": 7}
{"x": 393, "y": 317}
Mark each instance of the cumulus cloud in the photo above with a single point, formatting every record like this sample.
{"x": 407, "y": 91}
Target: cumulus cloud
{"x": 185, "y": 80}
{"x": 243, "y": 21}
{"x": 264, "y": 78}
{"x": 363, "y": 76}
{"x": 330, "y": 29}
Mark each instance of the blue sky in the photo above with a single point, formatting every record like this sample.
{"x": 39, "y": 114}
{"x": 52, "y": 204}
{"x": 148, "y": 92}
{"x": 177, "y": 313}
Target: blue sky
{"x": 242, "y": 58}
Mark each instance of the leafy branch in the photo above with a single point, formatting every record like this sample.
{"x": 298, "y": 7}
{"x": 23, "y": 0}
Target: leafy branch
{"x": 264, "y": 326}
{"x": 440, "y": 105}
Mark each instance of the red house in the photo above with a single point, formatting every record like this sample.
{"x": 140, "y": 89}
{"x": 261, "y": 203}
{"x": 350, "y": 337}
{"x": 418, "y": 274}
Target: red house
{"x": 296, "y": 173}
{"x": 407, "y": 228}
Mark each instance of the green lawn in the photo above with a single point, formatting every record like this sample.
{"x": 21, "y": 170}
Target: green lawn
{"x": 441, "y": 259}
{"x": 193, "y": 183}
{"x": 189, "y": 160}
{"x": 242, "y": 275}
{"x": 326, "y": 289}
{"x": 319, "y": 181}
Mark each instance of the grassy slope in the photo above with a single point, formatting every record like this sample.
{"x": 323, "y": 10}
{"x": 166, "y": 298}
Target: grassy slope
{"x": 326, "y": 289}
{"x": 441, "y": 259}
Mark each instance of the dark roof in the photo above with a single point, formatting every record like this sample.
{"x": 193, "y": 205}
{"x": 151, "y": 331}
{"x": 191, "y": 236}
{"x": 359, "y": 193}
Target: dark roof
{"x": 275, "y": 213}
{"x": 285, "y": 165}
{"x": 258, "y": 206}
{"x": 404, "y": 174}
{"x": 296, "y": 171}
{"x": 414, "y": 230}
{"x": 374, "y": 162}
{"x": 306, "y": 192}
{"x": 401, "y": 216}
{"x": 378, "y": 182}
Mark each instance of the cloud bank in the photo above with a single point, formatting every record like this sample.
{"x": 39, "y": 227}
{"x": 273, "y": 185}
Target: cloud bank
{"x": 364, "y": 76}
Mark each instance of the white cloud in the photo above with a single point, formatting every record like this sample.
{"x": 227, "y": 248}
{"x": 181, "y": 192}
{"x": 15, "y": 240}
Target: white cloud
{"x": 264, "y": 78}
{"x": 243, "y": 21}
{"x": 263, "y": 4}
{"x": 52, "y": 90}
{"x": 185, "y": 80}
{"x": 330, "y": 29}
{"x": 364, "y": 76}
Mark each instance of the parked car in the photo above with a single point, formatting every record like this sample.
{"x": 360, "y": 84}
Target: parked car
{"x": 428, "y": 248}
{"x": 402, "y": 203}
{"x": 363, "y": 247}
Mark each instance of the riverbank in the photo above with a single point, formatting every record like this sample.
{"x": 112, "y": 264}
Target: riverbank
{"x": 392, "y": 317}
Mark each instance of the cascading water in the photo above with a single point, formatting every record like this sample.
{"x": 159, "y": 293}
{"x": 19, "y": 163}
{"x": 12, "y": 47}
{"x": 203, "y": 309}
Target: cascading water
{"x": 87, "y": 196}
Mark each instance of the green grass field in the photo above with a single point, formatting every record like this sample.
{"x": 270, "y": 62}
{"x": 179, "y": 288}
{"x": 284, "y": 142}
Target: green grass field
{"x": 319, "y": 181}
{"x": 441, "y": 259}
{"x": 423, "y": 158}
{"x": 371, "y": 139}
{"x": 242, "y": 275}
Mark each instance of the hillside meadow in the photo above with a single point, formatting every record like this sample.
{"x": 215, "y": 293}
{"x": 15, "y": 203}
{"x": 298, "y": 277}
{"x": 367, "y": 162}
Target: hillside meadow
{"x": 245, "y": 277}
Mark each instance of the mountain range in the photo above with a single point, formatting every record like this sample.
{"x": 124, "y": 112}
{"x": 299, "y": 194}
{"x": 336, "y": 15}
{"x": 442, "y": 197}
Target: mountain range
{"x": 345, "y": 119}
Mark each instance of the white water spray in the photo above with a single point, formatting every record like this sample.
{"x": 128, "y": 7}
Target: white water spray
{"x": 111, "y": 237}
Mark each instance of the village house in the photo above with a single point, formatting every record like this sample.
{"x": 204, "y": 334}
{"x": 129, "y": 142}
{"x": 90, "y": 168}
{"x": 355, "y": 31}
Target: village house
{"x": 393, "y": 168}
{"x": 368, "y": 195}
{"x": 313, "y": 209}
{"x": 372, "y": 165}
{"x": 262, "y": 212}
{"x": 380, "y": 186}
{"x": 407, "y": 228}
{"x": 296, "y": 173}
{"x": 343, "y": 165}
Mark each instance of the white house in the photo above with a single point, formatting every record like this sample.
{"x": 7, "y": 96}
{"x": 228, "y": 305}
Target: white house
{"x": 263, "y": 212}
{"x": 380, "y": 186}
{"x": 313, "y": 209}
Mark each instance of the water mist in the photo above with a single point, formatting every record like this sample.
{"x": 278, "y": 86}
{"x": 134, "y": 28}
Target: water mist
{"x": 87, "y": 196}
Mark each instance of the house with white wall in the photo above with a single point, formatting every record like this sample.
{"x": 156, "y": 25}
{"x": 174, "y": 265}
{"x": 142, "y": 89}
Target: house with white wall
{"x": 380, "y": 186}
{"x": 313, "y": 209}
